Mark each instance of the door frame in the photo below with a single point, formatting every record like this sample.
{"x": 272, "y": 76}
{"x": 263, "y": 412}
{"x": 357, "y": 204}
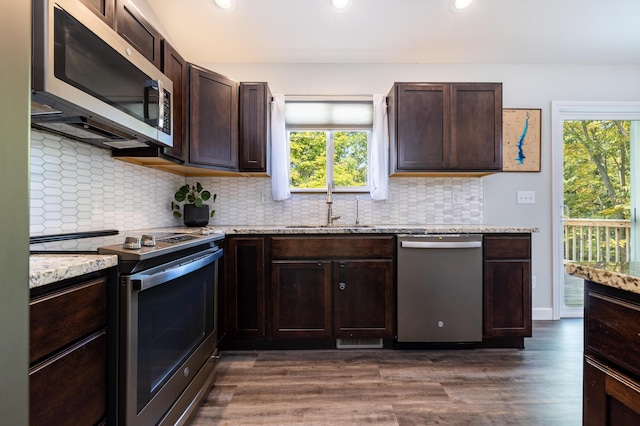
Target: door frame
{"x": 561, "y": 111}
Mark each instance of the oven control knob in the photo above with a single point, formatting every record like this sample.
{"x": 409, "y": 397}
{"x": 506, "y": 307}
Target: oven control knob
{"x": 131, "y": 243}
{"x": 149, "y": 240}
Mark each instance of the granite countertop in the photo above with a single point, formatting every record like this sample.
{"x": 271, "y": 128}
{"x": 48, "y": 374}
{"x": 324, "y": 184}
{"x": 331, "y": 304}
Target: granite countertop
{"x": 49, "y": 268}
{"x": 373, "y": 229}
{"x": 622, "y": 275}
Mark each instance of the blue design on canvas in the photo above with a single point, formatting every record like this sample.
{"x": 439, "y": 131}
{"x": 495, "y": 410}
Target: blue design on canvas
{"x": 521, "y": 156}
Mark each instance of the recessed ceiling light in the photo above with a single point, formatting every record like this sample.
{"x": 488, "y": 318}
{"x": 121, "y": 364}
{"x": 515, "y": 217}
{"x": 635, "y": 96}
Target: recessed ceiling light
{"x": 459, "y": 4}
{"x": 225, "y": 4}
{"x": 340, "y": 5}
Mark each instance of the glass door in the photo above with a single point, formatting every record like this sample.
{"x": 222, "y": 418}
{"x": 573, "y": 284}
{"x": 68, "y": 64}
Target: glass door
{"x": 597, "y": 205}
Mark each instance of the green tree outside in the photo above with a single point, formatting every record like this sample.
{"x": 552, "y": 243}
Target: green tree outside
{"x": 596, "y": 184}
{"x": 308, "y": 159}
{"x": 596, "y": 169}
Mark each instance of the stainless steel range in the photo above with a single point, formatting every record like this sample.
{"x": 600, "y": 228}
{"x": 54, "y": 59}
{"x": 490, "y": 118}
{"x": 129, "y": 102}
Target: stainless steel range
{"x": 166, "y": 312}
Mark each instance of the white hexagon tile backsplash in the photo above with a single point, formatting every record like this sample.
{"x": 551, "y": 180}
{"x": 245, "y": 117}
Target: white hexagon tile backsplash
{"x": 79, "y": 187}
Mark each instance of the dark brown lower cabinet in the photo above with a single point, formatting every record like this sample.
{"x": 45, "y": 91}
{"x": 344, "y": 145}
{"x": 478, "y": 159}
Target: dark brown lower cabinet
{"x": 70, "y": 388}
{"x": 245, "y": 274}
{"x": 610, "y": 397}
{"x": 507, "y": 305}
{"x": 507, "y": 286}
{"x": 332, "y": 287}
{"x": 301, "y": 298}
{"x": 363, "y": 298}
{"x": 326, "y": 298}
{"x": 611, "y": 379}
{"x": 68, "y": 354}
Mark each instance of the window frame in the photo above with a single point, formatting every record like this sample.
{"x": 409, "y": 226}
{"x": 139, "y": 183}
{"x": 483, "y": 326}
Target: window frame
{"x": 329, "y": 160}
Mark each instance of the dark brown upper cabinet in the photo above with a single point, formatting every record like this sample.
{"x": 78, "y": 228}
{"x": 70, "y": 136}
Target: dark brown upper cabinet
{"x": 213, "y": 120}
{"x": 103, "y": 8}
{"x": 134, "y": 28}
{"x": 445, "y": 127}
{"x": 255, "y": 127}
{"x": 175, "y": 67}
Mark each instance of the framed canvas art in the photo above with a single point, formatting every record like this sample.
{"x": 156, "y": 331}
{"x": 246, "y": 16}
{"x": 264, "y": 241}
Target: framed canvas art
{"x": 521, "y": 140}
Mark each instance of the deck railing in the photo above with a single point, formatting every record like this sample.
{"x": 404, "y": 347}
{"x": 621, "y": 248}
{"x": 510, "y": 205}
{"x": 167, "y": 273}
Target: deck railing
{"x": 597, "y": 240}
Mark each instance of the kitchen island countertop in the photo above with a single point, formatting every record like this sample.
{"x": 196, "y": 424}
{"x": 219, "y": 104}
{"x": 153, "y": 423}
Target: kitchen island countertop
{"x": 49, "y": 268}
{"x": 621, "y": 275}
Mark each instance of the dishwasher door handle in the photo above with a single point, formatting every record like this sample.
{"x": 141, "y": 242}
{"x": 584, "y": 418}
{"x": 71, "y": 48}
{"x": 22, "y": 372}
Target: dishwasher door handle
{"x": 441, "y": 244}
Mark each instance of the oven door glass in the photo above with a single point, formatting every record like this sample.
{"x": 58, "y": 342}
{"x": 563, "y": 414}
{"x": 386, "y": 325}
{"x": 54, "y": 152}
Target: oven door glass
{"x": 173, "y": 318}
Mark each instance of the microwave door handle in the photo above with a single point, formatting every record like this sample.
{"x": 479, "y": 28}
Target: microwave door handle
{"x": 148, "y": 86}
{"x": 161, "y": 100}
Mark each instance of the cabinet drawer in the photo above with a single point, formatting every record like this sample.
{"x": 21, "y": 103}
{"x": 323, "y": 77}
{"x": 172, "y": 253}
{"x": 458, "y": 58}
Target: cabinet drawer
{"x": 61, "y": 318}
{"x": 514, "y": 246}
{"x": 70, "y": 389}
{"x": 331, "y": 247}
{"x": 612, "y": 328}
{"x": 610, "y": 397}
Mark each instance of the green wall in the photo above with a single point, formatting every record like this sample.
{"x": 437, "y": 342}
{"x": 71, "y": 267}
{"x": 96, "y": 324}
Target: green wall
{"x": 15, "y": 54}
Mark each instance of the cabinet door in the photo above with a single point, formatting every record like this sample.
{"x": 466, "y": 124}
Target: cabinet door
{"x": 213, "y": 125}
{"x": 134, "y": 28}
{"x": 255, "y": 134}
{"x": 610, "y": 397}
{"x": 175, "y": 67}
{"x": 421, "y": 131}
{"x": 507, "y": 298}
{"x": 363, "y": 298}
{"x": 246, "y": 286}
{"x": 102, "y": 8}
{"x": 301, "y": 298}
{"x": 70, "y": 388}
{"x": 476, "y": 126}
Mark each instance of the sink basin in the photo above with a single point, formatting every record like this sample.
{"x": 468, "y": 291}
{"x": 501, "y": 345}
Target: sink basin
{"x": 329, "y": 227}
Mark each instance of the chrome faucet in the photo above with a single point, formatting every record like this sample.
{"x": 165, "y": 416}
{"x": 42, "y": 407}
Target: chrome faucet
{"x": 330, "y": 216}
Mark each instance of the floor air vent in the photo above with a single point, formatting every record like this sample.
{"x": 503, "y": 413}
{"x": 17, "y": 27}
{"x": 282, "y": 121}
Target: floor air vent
{"x": 359, "y": 343}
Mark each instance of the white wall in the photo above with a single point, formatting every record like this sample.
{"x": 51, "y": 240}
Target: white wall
{"x": 524, "y": 86}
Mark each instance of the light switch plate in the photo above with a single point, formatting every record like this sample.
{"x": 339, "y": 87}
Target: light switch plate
{"x": 526, "y": 197}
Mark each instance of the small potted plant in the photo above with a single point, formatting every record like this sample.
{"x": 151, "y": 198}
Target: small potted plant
{"x": 196, "y": 213}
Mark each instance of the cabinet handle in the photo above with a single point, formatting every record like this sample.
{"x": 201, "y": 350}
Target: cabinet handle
{"x": 342, "y": 285}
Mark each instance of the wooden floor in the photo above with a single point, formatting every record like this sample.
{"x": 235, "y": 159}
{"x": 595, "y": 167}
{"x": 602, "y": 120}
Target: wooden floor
{"x": 540, "y": 385}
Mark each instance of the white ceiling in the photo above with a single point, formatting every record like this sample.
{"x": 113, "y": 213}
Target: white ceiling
{"x": 405, "y": 31}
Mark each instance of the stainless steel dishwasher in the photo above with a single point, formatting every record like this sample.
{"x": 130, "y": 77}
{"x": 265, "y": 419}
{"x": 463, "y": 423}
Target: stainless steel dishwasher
{"x": 440, "y": 288}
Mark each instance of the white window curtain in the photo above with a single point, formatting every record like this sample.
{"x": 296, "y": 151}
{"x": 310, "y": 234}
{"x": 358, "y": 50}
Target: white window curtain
{"x": 379, "y": 150}
{"x": 279, "y": 151}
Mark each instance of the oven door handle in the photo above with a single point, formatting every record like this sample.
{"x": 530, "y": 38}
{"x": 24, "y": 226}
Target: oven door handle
{"x": 165, "y": 273}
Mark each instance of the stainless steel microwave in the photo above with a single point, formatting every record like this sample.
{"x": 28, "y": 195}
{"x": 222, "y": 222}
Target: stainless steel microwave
{"x": 88, "y": 83}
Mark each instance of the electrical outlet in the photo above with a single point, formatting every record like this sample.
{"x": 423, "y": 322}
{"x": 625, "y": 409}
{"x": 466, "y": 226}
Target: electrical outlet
{"x": 533, "y": 281}
{"x": 266, "y": 197}
{"x": 526, "y": 197}
{"x": 457, "y": 197}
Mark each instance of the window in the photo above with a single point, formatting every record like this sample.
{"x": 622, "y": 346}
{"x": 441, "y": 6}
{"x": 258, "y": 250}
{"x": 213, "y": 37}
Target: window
{"x": 329, "y": 143}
